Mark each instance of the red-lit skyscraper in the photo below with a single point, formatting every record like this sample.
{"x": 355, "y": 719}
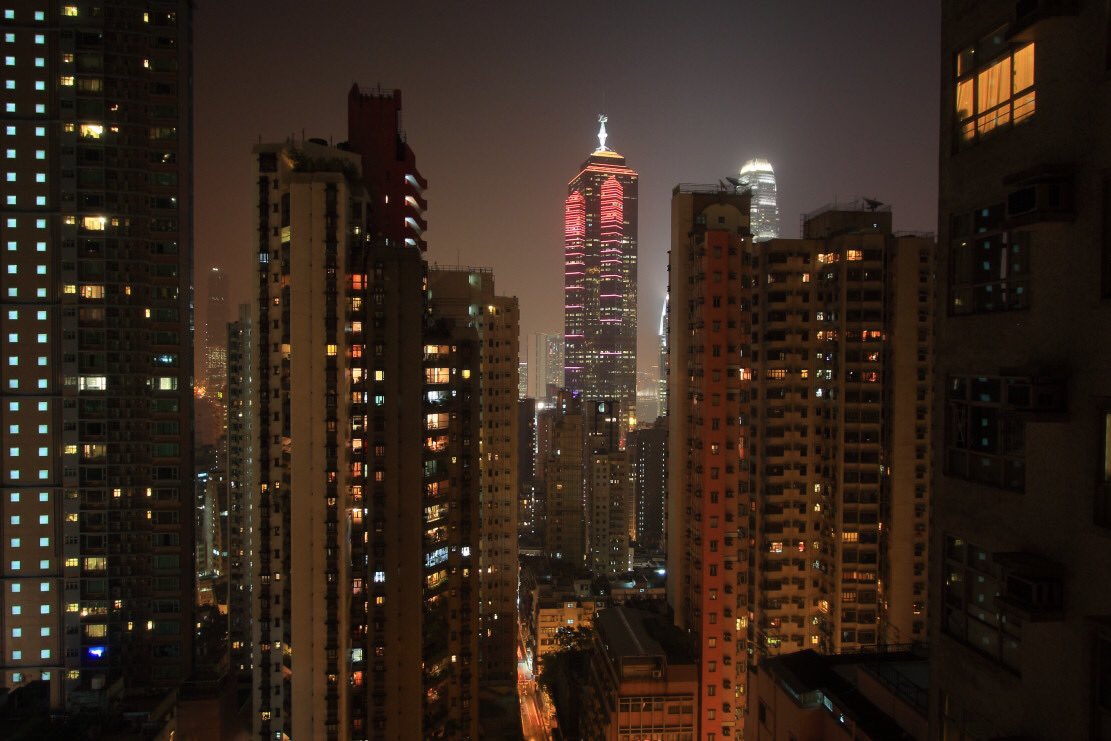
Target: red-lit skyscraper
{"x": 600, "y": 279}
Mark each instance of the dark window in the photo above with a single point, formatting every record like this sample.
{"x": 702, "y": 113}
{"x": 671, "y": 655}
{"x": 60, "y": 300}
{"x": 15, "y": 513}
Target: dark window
{"x": 989, "y": 267}
{"x": 983, "y": 441}
{"x": 969, "y": 613}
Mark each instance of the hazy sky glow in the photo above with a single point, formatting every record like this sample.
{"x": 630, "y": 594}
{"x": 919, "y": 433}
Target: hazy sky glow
{"x": 500, "y": 104}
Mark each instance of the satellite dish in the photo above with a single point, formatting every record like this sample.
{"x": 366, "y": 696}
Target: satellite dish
{"x": 872, "y": 203}
{"x": 735, "y": 181}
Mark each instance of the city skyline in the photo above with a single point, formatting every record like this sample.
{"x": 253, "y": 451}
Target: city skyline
{"x": 513, "y": 112}
{"x": 788, "y": 416}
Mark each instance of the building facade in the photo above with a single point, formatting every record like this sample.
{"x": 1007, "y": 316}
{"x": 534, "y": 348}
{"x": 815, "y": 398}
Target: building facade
{"x": 561, "y": 449}
{"x": 708, "y": 488}
{"x": 97, "y": 525}
{"x": 610, "y": 522}
{"x": 1021, "y": 635}
{"x": 649, "y": 453}
{"x": 212, "y": 403}
{"x": 839, "y": 434}
{"x": 241, "y": 486}
{"x": 600, "y": 280}
{"x": 467, "y": 297}
{"x": 366, "y": 604}
{"x": 758, "y": 176}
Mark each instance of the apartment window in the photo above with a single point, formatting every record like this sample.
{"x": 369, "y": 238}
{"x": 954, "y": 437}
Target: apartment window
{"x": 983, "y": 442}
{"x": 989, "y": 267}
{"x": 994, "y": 86}
{"x": 969, "y": 613}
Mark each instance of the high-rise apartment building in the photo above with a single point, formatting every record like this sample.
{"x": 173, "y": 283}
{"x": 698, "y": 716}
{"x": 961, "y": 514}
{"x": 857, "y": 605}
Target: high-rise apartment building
{"x": 527, "y": 512}
{"x": 831, "y": 440}
{"x": 467, "y": 297}
{"x": 241, "y": 487}
{"x": 610, "y": 524}
{"x": 708, "y": 493}
{"x": 561, "y": 468}
{"x": 96, "y": 584}
{"x": 838, "y": 433}
{"x": 366, "y": 605}
{"x": 600, "y": 280}
{"x": 648, "y": 445}
{"x": 758, "y": 176}
{"x": 211, "y": 404}
{"x": 1020, "y": 619}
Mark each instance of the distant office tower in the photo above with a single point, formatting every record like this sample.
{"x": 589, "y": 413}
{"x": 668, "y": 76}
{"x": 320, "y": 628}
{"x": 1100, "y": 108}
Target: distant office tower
{"x": 97, "y": 581}
{"x": 708, "y": 492}
{"x": 455, "y": 292}
{"x": 368, "y": 433}
{"x": 609, "y": 491}
{"x": 561, "y": 429}
{"x": 649, "y": 452}
{"x": 1020, "y": 633}
{"x": 545, "y": 362}
{"x": 662, "y": 367}
{"x": 522, "y": 379}
{"x": 600, "y": 280}
{"x": 241, "y": 487}
{"x": 758, "y": 176}
{"x": 215, "y": 351}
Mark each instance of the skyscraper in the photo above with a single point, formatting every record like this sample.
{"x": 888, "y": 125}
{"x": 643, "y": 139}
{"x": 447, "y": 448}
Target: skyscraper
{"x": 609, "y": 492}
{"x": 216, "y": 324}
{"x": 832, "y": 445}
{"x": 366, "y": 612}
{"x": 212, "y": 404}
{"x": 241, "y": 487}
{"x": 708, "y": 491}
{"x": 648, "y": 444}
{"x": 600, "y": 280}
{"x": 97, "y": 580}
{"x": 758, "y": 176}
{"x": 560, "y": 464}
{"x": 466, "y": 296}
{"x": 839, "y": 368}
{"x": 1020, "y": 638}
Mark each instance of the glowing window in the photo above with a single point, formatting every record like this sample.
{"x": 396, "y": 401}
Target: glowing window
{"x": 998, "y": 93}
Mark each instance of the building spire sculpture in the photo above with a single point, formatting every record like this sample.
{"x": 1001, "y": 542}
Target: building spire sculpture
{"x": 602, "y": 132}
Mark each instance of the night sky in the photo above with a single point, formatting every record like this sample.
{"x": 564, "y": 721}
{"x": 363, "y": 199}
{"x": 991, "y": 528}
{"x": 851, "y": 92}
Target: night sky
{"x": 500, "y": 104}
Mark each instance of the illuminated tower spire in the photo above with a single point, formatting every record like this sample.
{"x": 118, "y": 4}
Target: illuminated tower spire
{"x": 600, "y": 274}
